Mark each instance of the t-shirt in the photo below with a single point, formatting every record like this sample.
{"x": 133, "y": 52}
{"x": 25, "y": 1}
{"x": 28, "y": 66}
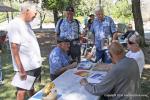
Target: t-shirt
{"x": 21, "y": 33}
{"x": 139, "y": 57}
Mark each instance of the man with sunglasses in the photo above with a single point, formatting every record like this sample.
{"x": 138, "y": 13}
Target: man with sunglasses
{"x": 25, "y": 49}
{"x": 135, "y": 51}
{"x": 121, "y": 82}
{"x": 70, "y": 28}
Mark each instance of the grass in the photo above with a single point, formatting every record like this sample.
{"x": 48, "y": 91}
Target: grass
{"x": 7, "y": 91}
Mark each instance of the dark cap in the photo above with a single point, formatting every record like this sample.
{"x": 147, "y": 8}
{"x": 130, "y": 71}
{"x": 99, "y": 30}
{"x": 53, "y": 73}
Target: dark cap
{"x": 59, "y": 40}
{"x": 69, "y": 8}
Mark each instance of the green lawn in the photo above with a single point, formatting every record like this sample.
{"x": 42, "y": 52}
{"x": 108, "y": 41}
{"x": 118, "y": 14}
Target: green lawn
{"x": 7, "y": 91}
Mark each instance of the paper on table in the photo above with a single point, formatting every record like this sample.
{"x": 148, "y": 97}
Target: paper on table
{"x": 24, "y": 84}
{"x": 96, "y": 77}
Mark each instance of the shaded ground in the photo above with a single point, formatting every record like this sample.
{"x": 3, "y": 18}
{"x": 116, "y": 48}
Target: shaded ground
{"x": 47, "y": 41}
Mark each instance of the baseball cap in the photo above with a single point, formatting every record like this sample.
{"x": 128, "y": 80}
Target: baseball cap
{"x": 62, "y": 39}
{"x": 70, "y": 8}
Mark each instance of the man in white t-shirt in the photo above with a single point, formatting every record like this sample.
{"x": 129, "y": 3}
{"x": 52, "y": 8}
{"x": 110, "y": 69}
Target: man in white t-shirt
{"x": 135, "y": 51}
{"x": 24, "y": 47}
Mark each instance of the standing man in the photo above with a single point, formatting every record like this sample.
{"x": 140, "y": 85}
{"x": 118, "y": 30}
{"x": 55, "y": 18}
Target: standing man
{"x": 122, "y": 82}
{"x": 24, "y": 47}
{"x": 103, "y": 28}
{"x": 70, "y": 29}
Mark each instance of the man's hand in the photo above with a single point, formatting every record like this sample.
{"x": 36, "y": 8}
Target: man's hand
{"x": 23, "y": 74}
{"x": 73, "y": 65}
{"x": 83, "y": 82}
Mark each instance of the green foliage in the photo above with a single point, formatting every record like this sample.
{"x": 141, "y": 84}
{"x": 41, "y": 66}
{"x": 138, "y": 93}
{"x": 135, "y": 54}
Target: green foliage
{"x": 122, "y": 11}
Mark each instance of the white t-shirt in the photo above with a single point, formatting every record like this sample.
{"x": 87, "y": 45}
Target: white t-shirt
{"x": 139, "y": 57}
{"x": 21, "y": 33}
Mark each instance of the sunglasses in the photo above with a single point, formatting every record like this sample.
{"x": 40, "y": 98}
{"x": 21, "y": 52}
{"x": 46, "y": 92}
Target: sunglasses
{"x": 130, "y": 42}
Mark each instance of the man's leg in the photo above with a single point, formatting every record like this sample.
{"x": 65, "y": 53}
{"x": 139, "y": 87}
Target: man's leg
{"x": 21, "y": 94}
{"x": 99, "y": 55}
{"x": 31, "y": 92}
{"x": 107, "y": 58}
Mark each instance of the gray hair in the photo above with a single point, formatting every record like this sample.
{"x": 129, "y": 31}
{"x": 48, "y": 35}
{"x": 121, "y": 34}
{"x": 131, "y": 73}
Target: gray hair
{"x": 135, "y": 37}
{"x": 99, "y": 8}
{"x": 28, "y": 6}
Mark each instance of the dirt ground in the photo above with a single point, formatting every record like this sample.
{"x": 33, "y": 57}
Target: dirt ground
{"x": 47, "y": 41}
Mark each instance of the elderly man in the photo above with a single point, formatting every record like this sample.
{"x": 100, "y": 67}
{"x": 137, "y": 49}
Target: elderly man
{"x": 103, "y": 28}
{"x": 24, "y": 47}
{"x": 59, "y": 60}
{"x": 122, "y": 82}
{"x": 70, "y": 29}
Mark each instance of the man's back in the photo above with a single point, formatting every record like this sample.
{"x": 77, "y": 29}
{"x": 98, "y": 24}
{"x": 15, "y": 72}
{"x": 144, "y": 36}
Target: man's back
{"x": 127, "y": 80}
{"x": 121, "y": 83}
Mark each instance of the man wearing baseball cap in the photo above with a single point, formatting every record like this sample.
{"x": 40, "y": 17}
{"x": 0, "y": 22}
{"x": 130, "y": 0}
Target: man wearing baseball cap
{"x": 71, "y": 29}
{"x": 59, "y": 60}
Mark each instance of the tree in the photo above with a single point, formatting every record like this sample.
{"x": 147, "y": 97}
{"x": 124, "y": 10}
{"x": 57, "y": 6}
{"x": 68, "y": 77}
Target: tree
{"x": 136, "y": 10}
{"x": 58, "y": 6}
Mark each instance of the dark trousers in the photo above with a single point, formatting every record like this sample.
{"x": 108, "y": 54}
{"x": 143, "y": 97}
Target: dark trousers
{"x": 75, "y": 52}
{"x": 103, "y": 55}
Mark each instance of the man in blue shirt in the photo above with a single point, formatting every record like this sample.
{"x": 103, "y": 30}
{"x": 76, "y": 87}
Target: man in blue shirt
{"x": 70, "y": 29}
{"x": 59, "y": 60}
{"x": 103, "y": 28}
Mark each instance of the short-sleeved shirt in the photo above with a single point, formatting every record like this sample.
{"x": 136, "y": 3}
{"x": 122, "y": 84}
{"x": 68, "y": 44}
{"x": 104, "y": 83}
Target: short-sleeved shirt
{"x": 58, "y": 59}
{"x": 139, "y": 57}
{"x": 68, "y": 29}
{"x": 20, "y": 32}
{"x": 102, "y": 29}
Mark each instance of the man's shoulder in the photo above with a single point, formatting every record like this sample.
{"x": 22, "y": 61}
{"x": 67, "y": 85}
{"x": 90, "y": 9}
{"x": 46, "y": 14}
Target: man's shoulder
{"x": 56, "y": 51}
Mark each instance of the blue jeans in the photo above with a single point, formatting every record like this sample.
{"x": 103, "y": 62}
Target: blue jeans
{"x": 103, "y": 55}
{"x": 1, "y": 77}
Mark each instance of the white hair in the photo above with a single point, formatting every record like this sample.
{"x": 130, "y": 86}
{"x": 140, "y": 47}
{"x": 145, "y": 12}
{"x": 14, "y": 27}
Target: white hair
{"x": 28, "y": 6}
{"x": 99, "y": 8}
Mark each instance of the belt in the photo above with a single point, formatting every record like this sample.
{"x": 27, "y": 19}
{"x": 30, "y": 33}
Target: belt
{"x": 75, "y": 42}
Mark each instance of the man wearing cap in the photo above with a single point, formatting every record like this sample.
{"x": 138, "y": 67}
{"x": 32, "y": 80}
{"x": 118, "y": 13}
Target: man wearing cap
{"x": 70, "y": 29}
{"x": 135, "y": 51}
{"x": 103, "y": 28}
{"x": 59, "y": 60}
{"x": 25, "y": 49}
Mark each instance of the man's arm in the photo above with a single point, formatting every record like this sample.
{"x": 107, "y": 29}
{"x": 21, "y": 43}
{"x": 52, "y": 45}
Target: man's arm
{"x": 15, "y": 53}
{"x": 63, "y": 69}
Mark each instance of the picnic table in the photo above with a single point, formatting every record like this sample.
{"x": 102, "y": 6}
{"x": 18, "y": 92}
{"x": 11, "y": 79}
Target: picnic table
{"x": 69, "y": 88}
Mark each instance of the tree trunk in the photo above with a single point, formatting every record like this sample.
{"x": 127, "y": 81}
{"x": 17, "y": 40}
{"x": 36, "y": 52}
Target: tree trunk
{"x": 136, "y": 10}
{"x": 55, "y": 12}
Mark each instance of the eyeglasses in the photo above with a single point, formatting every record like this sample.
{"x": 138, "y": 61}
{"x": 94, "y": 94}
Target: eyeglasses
{"x": 130, "y": 42}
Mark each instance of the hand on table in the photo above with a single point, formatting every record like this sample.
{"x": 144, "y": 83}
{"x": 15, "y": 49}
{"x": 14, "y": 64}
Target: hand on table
{"x": 83, "y": 81}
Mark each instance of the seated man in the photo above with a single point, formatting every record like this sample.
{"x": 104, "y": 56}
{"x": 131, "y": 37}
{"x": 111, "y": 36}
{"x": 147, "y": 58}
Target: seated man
{"x": 122, "y": 82}
{"x": 59, "y": 60}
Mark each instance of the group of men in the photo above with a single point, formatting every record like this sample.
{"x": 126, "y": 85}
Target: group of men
{"x": 122, "y": 79}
